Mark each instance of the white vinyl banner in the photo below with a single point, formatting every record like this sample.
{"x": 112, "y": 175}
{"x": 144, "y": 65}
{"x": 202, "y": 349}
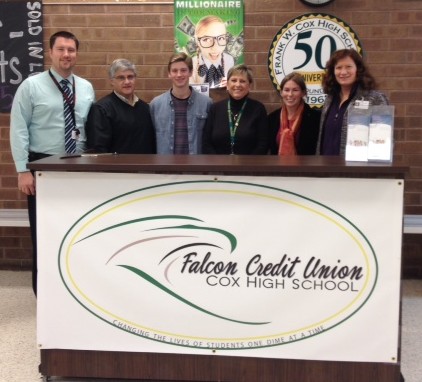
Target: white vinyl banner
{"x": 277, "y": 267}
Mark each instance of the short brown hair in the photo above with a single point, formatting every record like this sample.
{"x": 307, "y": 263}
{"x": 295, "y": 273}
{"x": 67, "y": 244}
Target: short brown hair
{"x": 64, "y": 34}
{"x": 297, "y": 78}
{"x": 180, "y": 57}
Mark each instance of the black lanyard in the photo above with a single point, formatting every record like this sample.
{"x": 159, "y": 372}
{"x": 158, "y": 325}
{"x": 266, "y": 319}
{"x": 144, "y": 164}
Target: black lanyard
{"x": 70, "y": 102}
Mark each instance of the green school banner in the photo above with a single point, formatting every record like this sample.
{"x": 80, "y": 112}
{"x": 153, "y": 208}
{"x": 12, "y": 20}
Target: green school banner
{"x": 211, "y": 32}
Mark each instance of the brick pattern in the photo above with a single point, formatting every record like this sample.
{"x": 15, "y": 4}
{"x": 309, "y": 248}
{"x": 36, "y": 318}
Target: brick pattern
{"x": 390, "y": 31}
{"x": 15, "y": 248}
{"x": 412, "y": 251}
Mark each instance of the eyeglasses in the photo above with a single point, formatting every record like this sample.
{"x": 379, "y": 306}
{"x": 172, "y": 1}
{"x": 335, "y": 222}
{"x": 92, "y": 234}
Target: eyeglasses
{"x": 209, "y": 41}
{"x": 130, "y": 77}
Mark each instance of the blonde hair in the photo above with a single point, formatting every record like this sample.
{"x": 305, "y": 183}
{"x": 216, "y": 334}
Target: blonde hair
{"x": 205, "y": 21}
{"x": 202, "y": 23}
{"x": 240, "y": 69}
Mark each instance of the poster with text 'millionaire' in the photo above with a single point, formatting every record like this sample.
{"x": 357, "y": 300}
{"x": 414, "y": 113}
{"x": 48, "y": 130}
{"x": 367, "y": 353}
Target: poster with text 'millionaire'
{"x": 211, "y": 32}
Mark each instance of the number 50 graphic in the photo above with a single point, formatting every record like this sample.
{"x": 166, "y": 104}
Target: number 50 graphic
{"x": 304, "y": 45}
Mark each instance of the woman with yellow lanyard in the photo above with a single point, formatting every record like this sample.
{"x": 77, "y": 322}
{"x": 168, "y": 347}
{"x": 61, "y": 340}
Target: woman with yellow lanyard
{"x": 238, "y": 124}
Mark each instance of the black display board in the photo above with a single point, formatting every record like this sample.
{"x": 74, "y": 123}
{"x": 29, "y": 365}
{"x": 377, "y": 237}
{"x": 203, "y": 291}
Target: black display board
{"x": 21, "y": 46}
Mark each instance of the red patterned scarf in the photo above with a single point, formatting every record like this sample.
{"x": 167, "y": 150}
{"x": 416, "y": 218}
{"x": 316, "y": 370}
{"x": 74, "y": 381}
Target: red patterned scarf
{"x": 288, "y": 131}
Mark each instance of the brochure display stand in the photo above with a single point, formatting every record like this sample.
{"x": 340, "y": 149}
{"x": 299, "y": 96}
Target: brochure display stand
{"x": 370, "y": 133}
{"x": 319, "y": 345}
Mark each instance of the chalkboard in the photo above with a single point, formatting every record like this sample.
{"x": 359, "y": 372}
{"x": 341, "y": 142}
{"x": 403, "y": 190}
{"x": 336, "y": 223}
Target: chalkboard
{"x": 21, "y": 46}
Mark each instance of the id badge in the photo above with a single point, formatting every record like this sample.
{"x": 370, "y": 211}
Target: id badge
{"x": 361, "y": 104}
{"x": 75, "y": 134}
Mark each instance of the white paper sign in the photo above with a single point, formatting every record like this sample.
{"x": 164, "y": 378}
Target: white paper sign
{"x": 357, "y": 143}
{"x": 380, "y": 145}
{"x": 202, "y": 88}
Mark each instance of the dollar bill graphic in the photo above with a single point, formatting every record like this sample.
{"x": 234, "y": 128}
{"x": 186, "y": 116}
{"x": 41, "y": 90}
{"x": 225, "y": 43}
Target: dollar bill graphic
{"x": 187, "y": 26}
{"x": 235, "y": 45}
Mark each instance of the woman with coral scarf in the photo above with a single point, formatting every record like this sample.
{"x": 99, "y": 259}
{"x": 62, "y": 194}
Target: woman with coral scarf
{"x": 294, "y": 127}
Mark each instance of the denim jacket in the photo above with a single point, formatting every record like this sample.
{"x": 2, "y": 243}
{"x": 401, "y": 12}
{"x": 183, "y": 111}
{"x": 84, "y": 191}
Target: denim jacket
{"x": 162, "y": 113}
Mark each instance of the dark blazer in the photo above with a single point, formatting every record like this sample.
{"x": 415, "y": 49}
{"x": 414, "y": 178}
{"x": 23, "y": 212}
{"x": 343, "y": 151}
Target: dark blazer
{"x": 307, "y": 138}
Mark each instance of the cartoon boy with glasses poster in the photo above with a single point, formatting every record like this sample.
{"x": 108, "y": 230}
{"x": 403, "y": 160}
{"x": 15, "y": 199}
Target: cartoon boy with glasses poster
{"x": 214, "y": 39}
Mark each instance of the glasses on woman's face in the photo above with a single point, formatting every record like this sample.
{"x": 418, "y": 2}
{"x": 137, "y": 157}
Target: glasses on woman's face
{"x": 209, "y": 41}
{"x": 130, "y": 77}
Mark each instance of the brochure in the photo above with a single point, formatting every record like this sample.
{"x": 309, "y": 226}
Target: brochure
{"x": 359, "y": 119}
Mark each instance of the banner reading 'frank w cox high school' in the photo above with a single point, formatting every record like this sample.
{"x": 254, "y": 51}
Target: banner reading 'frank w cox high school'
{"x": 304, "y": 44}
{"x": 276, "y": 267}
{"x": 211, "y": 32}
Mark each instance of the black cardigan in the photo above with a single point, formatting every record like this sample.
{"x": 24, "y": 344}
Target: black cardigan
{"x": 251, "y": 136}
